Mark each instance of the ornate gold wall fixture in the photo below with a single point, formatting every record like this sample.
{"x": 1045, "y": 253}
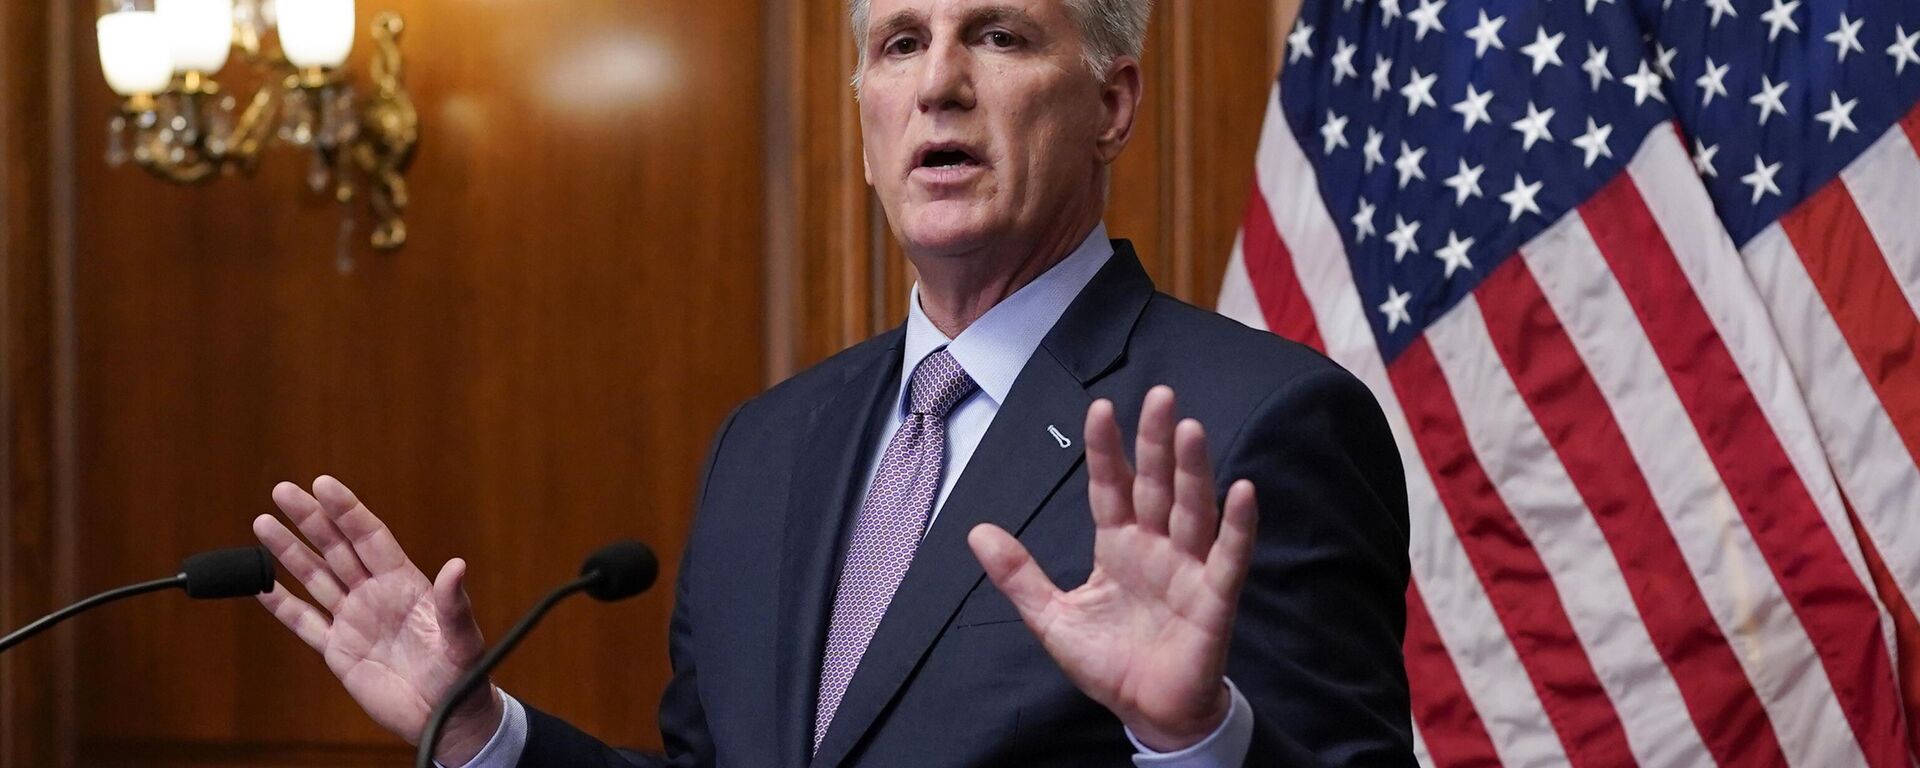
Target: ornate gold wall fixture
{"x": 179, "y": 124}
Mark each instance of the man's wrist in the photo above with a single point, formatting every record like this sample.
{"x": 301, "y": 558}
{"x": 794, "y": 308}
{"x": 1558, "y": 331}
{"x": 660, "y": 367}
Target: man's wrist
{"x": 1176, "y": 735}
{"x": 469, "y": 732}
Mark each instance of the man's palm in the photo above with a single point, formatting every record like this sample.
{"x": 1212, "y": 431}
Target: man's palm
{"x": 1147, "y": 635}
{"x": 396, "y": 641}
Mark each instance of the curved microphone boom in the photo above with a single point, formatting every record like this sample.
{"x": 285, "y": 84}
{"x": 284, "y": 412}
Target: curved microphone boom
{"x": 221, "y": 573}
{"x": 616, "y": 572}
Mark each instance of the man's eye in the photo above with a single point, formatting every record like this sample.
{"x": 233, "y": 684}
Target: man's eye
{"x": 1001, "y": 38}
{"x": 903, "y": 45}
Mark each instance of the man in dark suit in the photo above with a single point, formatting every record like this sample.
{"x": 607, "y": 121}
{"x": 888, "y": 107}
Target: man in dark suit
{"x": 932, "y": 549}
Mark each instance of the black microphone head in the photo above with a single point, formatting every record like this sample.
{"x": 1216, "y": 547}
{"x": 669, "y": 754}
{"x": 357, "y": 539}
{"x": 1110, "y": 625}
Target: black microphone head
{"x": 621, "y": 570}
{"x": 236, "y": 572}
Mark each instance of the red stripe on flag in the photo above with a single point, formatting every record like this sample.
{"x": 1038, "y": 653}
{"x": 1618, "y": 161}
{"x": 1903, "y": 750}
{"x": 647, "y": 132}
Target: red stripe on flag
{"x": 1574, "y": 414}
{"x": 1270, "y": 268}
{"x": 1516, "y": 580}
{"x": 1851, "y": 273}
{"x": 1911, "y": 124}
{"x": 1804, "y": 555}
{"x": 1455, "y": 735}
{"x": 1906, "y": 630}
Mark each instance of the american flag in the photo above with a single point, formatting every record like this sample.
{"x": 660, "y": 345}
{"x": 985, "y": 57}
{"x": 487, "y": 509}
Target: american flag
{"x": 1636, "y": 285}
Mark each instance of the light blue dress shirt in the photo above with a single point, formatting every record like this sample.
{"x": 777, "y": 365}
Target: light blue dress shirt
{"x": 993, "y": 350}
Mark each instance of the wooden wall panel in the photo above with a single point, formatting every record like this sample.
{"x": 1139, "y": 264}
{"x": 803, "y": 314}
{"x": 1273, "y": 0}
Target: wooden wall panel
{"x": 35, "y": 722}
{"x": 538, "y": 372}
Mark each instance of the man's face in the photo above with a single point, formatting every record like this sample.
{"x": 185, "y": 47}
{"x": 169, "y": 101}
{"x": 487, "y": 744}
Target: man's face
{"x": 981, "y": 121}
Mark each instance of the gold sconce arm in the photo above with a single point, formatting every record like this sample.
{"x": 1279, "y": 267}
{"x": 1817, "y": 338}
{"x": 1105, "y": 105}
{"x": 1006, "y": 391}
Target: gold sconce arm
{"x": 190, "y": 134}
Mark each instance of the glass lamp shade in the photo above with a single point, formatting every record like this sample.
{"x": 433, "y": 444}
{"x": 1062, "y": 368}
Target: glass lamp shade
{"x": 134, "y": 53}
{"x": 315, "y": 33}
{"x": 201, "y": 32}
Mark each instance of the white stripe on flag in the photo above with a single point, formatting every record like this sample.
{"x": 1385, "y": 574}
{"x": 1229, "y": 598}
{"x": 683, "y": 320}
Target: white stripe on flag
{"x": 1663, "y": 171}
{"x": 1726, "y": 563}
{"x": 1881, "y": 181}
{"x": 1879, "y": 476}
{"x": 1528, "y": 476}
{"x": 1489, "y": 668}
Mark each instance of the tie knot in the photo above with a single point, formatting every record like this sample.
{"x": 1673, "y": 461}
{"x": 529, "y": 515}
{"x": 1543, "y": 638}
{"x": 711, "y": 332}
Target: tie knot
{"x": 938, "y": 385}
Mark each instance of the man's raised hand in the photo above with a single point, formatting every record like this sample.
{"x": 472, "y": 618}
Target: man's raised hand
{"x": 396, "y": 641}
{"x": 1147, "y": 635}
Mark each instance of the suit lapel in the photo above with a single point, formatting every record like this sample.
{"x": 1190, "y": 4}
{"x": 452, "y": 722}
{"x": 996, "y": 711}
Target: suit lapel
{"x": 820, "y": 502}
{"x": 1017, "y": 466}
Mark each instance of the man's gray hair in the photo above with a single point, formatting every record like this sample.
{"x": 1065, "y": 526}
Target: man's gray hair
{"x": 1109, "y": 28}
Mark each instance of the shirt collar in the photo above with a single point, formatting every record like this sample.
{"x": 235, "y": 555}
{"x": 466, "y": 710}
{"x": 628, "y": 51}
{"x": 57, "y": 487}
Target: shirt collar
{"x": 995, "y": 347}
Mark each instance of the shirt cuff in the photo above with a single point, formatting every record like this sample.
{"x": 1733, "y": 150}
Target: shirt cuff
{"x": 509, "y": 740}
{"x": 1226, "y": 747}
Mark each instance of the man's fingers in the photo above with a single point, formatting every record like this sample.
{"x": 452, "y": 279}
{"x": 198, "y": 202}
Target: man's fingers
{"x": 371, "y": 540}
{"x": 306, "y": 621}
{"x": 455, "y": 613}
{"x": 1013, "y": 571}
{"x": 1194, "y": 516}
{"x": 299, "y": 560}
{"x": 313, "y": 521}
{"x": 1233, "y": 548}
{"x": 1109, "y": 479}
{"x": 1153, "y": 456}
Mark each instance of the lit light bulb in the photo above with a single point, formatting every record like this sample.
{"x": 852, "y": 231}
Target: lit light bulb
{"x": 201, "y": 32}
{"x": 315, "y": 33}
{"x": 134, "y": 53}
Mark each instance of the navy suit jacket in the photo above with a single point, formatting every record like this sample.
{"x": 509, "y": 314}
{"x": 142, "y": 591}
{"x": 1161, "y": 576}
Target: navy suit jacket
{"x": 952, "y": 676}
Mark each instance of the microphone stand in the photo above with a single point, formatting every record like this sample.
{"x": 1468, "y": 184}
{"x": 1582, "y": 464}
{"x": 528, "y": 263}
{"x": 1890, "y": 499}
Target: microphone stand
{"x": 431, "y": 736}
{"x": 108, "y": 596}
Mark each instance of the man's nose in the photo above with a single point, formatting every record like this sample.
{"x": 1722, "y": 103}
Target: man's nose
{"x": 947, "y": 81}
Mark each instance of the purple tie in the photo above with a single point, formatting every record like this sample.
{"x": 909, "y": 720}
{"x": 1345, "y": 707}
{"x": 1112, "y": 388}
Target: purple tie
{"x": 890, "y": 525}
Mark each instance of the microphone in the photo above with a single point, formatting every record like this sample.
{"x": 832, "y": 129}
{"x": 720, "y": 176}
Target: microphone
{"x": 616, "y": 572}
{"x": 221, "y": 573}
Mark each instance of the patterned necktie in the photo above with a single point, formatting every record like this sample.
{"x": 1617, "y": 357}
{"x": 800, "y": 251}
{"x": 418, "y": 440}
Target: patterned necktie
{"x": 890, "y": 525}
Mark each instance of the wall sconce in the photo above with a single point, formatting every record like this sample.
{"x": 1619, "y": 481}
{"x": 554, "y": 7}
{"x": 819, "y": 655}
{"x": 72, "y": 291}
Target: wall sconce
{"x": 161, "y": 56}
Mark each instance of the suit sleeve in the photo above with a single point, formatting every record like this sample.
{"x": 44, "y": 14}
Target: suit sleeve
{"x": 1317, "y": 641}
{"x": 554, "y": 743}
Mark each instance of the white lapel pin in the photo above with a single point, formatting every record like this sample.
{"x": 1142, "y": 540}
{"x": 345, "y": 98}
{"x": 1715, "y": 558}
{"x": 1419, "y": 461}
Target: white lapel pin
{"x": 1059, "y": 438}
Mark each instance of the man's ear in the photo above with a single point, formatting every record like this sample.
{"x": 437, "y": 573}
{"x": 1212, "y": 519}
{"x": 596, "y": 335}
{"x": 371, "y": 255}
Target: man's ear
{"x": 1120, "y": 98}
{"x": 866, "y": 169}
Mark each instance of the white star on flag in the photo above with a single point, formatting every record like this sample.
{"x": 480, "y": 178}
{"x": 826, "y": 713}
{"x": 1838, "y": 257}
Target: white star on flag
{"x": 1645, "y": 82}
{"x": 1300, "y": 43}
{"x": 1465, "y": 182}
{"x": 1902, "y": 49}
{"x": 1838, "y": 116}
{"x": 1761, "y": 179}
{"x": 1334, "y": 132}
{"x": 1520, "y": 199}
{"x": 1362, "y": 221}
{"x": 1543, "y": 50}
{"x": 1402, "y": 238}
{"x": 1473, "y": 108}
{"x": 1343, "y": 60}
{"x": 1594, "y": 141}
{"x": 1534, "y": 126}
{"x": 1486, "y": 34}
{"x": 1703, "y": 158}
{"x": 1408, "y": 164}
{"x": 1395, "y": 308}
{"x": 1780, "y": 17}
{"x": 1712, "y": 82}
{"x": 1596, "y": 66}
{"x": 1846, "y": 37}
{"x": 1426, "y": 19}
{"x": 1768, "y": 99}
{"x": 1419, "y": 91}
{"x": 1455, "y": 254}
